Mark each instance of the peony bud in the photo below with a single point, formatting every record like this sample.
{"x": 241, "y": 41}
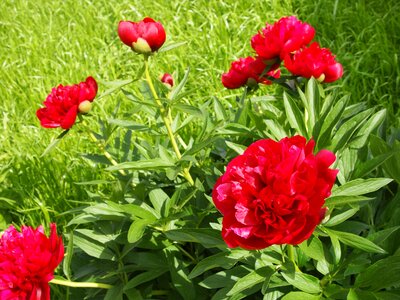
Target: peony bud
{"x": 168, "y": 80}
{"x": 85, "y": 106}
{"x": 143, "y": 37}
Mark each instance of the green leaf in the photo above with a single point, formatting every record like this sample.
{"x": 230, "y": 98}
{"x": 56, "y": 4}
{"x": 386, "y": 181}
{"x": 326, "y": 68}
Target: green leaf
{"x": 337, "y": 250}
{"x": 360, "y": 187}
{"x": 68, "y": 256}
{"x": 199, "y": 146}
{"x": 295, "y": 117}
{"x": 116, "y": 85}
{"x": 300, "y": 296}
{"x": 137, "y": 229}
{"x": 219, "y": 110}
{"x": 355, "y": 241}
{"x": 145, "y": 277}
{"x": 145, "y": 212}
{"x": 176, "y": 90}
{"x": 159, "y": 198}
{"x": 239, "y": 149}
{"x": 343, "y": 200}
{"x": 383, "y": 274}
{"x": 313, "y": 248}
{"x": 55, "y": 142}
{"x": 224, "y": 278}
{"x": 129, "y": 124}
{"x": 274, "y": 295}
{"x": 392, "y": 165}
{"x": 149, "y": 164}
{"x": 114, "y": 293}
{"x": 380, "y": 236}
{"x": 347, "y": 129}
{"x": 224, "y": 260}
{"x": 275, "y": 130}
{"x": 363, "y": 134}
{"x": 340, "y": 218}
{"x": 311, "y": 101}
{"x": 304, "y": 282}
{"x": 96, "y": 235}
{"x": 93, "y": 248}
{"x": 333, "y": 117}
{"x": 209, "y": 238}
{"x": 104, "y": 209}
{"x": 179, "y": 274}
{"x": 371, "y": 164}
{"x": 253, "y": 278}
{"x": 171, "y": 46}
{"x": 189, "y": 109}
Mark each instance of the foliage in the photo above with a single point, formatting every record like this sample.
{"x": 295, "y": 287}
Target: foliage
{"x": 143, "y": 228}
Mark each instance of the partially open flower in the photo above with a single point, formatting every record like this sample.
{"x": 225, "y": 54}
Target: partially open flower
{"x": 27, "y": 262}
{"x": 314, "y": 62}
{"x": 168, "y": 80}
{"x": 248, "y": 71}
{"x": 144, "y": 37}
{"x": 65, "y": 102}
{"x": 274, "y": 193}
{"x": 275, "y": 41}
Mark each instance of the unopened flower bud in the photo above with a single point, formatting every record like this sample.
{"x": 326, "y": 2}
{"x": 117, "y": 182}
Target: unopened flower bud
{"x": 321, "y": 78}
{"x": 85, "y": 106}
{"x": 168, "y": 80}
{"x": 141, "y": 46}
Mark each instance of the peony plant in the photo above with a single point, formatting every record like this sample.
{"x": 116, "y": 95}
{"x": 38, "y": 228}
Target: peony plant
{"x": 253, "y": 199}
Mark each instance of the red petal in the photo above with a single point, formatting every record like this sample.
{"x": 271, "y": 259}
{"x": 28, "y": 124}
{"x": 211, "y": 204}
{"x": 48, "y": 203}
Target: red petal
{"x": 70, "y": 117}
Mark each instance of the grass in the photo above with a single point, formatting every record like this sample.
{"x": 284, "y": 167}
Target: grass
{"x": 44, "y": 43}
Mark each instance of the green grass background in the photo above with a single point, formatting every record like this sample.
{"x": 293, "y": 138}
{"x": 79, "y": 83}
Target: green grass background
{"x": 44, "y": 43}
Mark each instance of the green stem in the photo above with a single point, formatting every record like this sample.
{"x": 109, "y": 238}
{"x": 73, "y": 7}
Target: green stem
{"x": 166, "y": 117}
{"x": 81, "y": 284}
{"x": 290, "y": 253}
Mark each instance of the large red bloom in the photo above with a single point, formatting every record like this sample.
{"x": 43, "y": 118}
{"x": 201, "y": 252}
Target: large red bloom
{"x": 314, "y": 61}
{"x": 275, "y": 41}
{"x": 273, "y": 193}
{"x": 145, "y": 36}
{"x": 27, "y": 262}
{"x": 248, "y": 71}
{"x": 65, "y": 102}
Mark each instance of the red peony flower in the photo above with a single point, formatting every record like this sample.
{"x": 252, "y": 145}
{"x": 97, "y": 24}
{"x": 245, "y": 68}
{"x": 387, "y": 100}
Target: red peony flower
{"x": 275, "y": 41}
{"x": 65, "y": 102}
{"x": 167, "y": 79}
{"x": 248, "y": 71}
{"x": 144, "y": 37}
{"x": 27, "y": 262}
{"x": 273, "y": 193}
{"x": 314, "y": 61}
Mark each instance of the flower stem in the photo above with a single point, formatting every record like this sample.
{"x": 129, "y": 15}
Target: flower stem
{"x": 166, "y": 117}
{"x": 81, "y": 284}
{"x": 290, "y": 253}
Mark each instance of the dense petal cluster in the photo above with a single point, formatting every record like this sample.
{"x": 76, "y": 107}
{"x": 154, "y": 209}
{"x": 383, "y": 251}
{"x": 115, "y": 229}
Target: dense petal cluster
{"x": 314, "y": 62}
{"x": 144, "y": 37}
{"x": 65, "y": 102}
{"x": 248, "y": 71}
{"x": 27, "y": 262}
{"x": 283, "y": 37}
{"x": 273, "y": 193}
{"x": 285, "y": 40}
{"x": 167, "y": 79}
